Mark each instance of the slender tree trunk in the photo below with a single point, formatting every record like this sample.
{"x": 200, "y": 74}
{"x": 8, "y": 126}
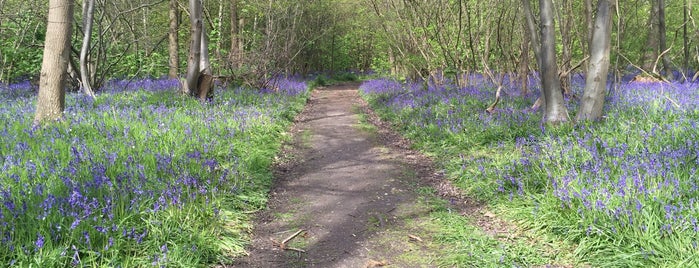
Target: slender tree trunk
{"x": 588, "y": 20}
{"x": 532, "y": 30}
{"x": 234, "y": 56}
{"x": 523, "y": 67}
{"x": 241, "y": 40}
{"x": 199, "y": 81}
{"x": 205, "y": 64}
{"x": 592, "y": 102}
{"x": 173, "y": 38}
{"x": 663, "y": 40}
{"x": 51, "y": 100}
{"x": 194, "y": 59}
{"x": 555, "y": 111}
{"x": 651, "y": 48}
{"x": 685, "y": 66}
{"x": 85, "y": 76}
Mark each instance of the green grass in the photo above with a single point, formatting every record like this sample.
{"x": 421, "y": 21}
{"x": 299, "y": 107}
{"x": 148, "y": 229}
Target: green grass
{"x": 621, "y": 192}
{"x": 138, "y": 178}
{"x": 451, "y": 239}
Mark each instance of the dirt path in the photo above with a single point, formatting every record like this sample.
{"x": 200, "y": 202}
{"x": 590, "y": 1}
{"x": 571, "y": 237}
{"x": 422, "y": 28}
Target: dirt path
{"x": 345, "y": 188}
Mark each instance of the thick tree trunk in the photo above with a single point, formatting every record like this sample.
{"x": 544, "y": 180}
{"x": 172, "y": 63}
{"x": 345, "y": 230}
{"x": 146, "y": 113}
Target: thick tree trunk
{"x": 555, "y": 111}
{"x": 174, "y": 63}
{"x": 592, "y": 102}
{"x": 663, "y": 40}
{"x": 51, "y": 100}
{"x": 85, "y": 77}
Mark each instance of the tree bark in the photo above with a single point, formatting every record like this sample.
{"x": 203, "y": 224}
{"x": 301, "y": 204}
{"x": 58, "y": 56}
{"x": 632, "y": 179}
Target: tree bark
{"x": 205, "y": 61}
{"x": 523, "y": 67}
{"x": 194, "y": 59}
{"x": 173, "y": 40}
{"x": 234, "y": 56}
{"x": 592, "y": 102}
{"x": 685, "y": 13}
{"x": 663, "y": 40}
{"x": 565, "y": 20}
{"x": 199, "y": 81}
{"x": 588, "y": 20}
{"x": 85, "y": 77}
{"x": 532, "y": 30}
{"x": 651, "y": 48}
{"x": 555, "y": 111}
{"x": 51, "y": 100}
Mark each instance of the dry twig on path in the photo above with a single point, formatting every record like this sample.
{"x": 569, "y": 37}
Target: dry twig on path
{"x": 283, "y": 246}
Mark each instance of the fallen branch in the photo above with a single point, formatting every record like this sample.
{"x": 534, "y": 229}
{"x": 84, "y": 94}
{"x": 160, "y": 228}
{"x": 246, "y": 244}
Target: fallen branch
{"x": 282, "y": 245}
{"x": 296, "y": 249}
{"x": 414, "y": 237}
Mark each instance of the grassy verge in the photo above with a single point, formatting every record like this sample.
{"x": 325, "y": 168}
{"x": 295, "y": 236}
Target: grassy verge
{"x": 623, "y": 191}
{"x": 448, "y": 239}
{"x": 139, "y": 176}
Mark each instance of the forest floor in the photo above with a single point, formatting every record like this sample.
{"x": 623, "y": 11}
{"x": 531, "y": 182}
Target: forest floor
{"x": 354, "y": 194}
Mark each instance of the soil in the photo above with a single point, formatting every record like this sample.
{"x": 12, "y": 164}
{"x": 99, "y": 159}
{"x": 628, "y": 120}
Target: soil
{"x": 348, "y": 192}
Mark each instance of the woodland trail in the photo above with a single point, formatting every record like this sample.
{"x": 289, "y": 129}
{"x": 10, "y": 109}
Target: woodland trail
{"x": 350, "y": 190}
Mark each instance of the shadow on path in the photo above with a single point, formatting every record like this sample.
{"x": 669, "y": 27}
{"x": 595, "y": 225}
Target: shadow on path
{"x": 344, "y": 189}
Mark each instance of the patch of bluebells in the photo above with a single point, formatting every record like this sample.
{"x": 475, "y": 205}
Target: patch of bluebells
{"x": 632, "y": 178}
{"x": 14, "y": 91}
{"x": 147, "y": 84}
{"x": 447, "y": 108}
{"x": 102, "y": 176}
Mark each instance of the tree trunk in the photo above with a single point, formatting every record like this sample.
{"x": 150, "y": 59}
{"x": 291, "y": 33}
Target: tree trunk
{"x": 651, "y": 48}
{"x": 51, "y": 100}
{"x": 532, "y": 30}
{"x": 194, "y": 59}
{"x": 205, "y": 62}
{"x": 662, "y": 34}
{"x": 555, "y": 111}
{"x": 685, "y": 65}
{"x": 564, "y": 22}
{"x": 234, "y": 56}
{"x": 199, "y": 81}
{"x": 173, "y": 46}
{"x": 592, "y": 102}
{"x": 588, "y": 20}
{"x": 85, "y": 76}
{"x": 523, "y": 67}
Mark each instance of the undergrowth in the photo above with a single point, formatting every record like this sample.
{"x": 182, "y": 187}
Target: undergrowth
{"x": 139, "y": 176}
{"x": 623, "y": 191}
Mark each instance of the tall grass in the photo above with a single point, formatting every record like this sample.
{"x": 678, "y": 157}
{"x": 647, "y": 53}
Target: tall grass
{"x": 624, "y": 191}
{"x": 139, "y": 176}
